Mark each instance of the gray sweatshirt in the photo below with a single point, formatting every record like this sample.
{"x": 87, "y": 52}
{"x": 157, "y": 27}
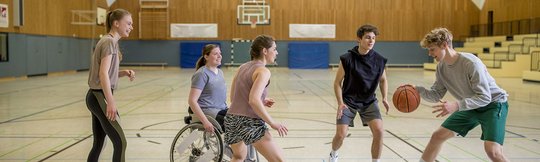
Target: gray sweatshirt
{"x": 467, "y": 80}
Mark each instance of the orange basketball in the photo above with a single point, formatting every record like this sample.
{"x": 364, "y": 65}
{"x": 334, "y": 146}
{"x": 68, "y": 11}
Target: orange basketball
{"x": 406, "y": 99}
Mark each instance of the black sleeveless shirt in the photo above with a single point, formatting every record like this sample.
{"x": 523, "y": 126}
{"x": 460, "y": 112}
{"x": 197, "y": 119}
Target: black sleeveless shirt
{"x": 362, "y": 75}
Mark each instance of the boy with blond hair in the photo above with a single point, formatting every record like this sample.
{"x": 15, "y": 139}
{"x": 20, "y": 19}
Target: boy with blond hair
{"x": 479, "y": 100}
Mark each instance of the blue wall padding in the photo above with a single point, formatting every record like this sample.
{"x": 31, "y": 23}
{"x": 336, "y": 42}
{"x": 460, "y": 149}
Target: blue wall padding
{"x": 190, "y": 53}
{"x": 308, "y": 55}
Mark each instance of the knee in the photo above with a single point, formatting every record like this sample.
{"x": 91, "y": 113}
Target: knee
{"x": 442, "y": 135}
{"x": 378, "y": 133}
{"x": 239, "y": 156}
{"x": 495, "y": 155}
{"x": 340, "y": 135}
{"x": 494, "y": 151}
{"x": 275, "y": 159}
{"x": 119, "y": 144}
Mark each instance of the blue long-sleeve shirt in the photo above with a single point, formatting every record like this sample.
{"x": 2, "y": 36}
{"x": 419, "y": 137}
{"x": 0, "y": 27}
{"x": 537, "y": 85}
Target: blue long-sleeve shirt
{"x": 467, "y": 80}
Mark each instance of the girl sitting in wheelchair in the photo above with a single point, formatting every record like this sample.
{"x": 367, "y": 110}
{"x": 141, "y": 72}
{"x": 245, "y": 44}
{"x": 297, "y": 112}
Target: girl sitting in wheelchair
{"x": 208, "y": 92}
{"x": 208, "y": 107}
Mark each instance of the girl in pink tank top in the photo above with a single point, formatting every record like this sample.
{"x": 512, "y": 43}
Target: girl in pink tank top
{"x": 246, "y": 118}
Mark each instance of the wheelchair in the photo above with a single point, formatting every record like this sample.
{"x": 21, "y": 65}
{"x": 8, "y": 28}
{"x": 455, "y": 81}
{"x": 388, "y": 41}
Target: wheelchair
{"x": 193, "y": 144}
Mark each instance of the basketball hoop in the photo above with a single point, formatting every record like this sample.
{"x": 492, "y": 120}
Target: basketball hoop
{"x": 253, "y": 23}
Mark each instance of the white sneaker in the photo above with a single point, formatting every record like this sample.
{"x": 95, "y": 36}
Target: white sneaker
{"x": 333, "y": 158}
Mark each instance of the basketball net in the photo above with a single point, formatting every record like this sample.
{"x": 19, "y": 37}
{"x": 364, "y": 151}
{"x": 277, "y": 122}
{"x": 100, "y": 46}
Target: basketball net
{"x": 253, "y": 23}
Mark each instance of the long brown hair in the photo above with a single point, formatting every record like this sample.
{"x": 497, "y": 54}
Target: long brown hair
{"x": 206, "y": 51}
{"x": 260, "y": 42}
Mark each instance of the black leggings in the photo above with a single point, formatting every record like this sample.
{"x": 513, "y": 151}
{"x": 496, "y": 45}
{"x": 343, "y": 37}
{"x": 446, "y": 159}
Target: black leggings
{"x": 101, "y": 126}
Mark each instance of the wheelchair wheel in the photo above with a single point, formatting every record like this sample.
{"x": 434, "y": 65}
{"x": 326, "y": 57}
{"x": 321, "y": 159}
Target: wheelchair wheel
{"x": 193, "y": 144}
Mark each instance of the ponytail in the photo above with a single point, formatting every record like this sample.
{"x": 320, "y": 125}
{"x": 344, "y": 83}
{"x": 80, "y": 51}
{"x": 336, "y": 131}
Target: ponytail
{"x": 108, "y": 22}
{"x": 201, "y": 62}
{"x": 205, "y": 52}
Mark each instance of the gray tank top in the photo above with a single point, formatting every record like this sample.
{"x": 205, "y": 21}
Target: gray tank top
{"x": 242, "y": 86}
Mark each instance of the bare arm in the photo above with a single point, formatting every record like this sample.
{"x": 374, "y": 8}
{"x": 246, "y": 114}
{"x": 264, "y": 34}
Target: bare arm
{"x": 260, "y": 77}
{"x": 129, "y": 73}
{"x": 340, "y": 75}
{"x": 106, "y": 86}
{"x": 194, "y": 95}
{"x": 383, "y": 85}
{"x": 231, "y": 96}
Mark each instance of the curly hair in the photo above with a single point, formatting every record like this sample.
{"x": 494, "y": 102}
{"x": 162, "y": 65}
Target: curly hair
{"x": 438, "y": 37}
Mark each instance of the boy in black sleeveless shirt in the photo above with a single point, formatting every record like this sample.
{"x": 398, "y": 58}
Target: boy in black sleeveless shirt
{"x": 361, "y": 69}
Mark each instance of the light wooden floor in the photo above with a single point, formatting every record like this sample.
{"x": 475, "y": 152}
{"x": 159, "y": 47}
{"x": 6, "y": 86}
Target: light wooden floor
{"x": 46, "y": 119}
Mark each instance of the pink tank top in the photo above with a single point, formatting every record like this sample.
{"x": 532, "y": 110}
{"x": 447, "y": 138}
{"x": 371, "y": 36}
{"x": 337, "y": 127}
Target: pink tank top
{"x": 242, "y": 86}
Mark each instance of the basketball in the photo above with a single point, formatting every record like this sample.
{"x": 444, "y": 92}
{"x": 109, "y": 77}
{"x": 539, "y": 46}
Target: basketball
{"x": 406, "y": 99}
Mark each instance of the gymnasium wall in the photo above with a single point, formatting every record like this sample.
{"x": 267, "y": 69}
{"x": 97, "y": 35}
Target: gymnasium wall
{"x": 53, "y": 18}
{"x": 403, "y": 20}
{"x": 48, "y": 42}
{"x": 508, "y": 10}
{"x": 38, "y": 54}
{"x": 398, "y": 53}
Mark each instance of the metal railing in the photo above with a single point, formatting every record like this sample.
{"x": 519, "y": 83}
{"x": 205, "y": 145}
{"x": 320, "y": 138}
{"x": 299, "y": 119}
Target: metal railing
{"x": 498, "y": 57}
{"x": 524, "y": 26}
{"x": 529, "y": 42}
{"x": 535, "y": 61}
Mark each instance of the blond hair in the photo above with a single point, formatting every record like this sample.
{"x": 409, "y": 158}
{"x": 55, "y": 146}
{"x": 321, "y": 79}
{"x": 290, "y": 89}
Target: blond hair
{"x": 438, "y": 37}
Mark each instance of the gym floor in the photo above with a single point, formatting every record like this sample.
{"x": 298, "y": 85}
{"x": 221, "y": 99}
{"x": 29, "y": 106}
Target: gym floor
{"x": 44, "y": 118}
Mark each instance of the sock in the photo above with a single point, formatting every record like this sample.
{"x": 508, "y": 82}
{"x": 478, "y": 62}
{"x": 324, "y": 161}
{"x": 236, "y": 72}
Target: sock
{"x": 375, "y": 160}
{"x": 333, "y": 153}
{"x": 421, "y": 160}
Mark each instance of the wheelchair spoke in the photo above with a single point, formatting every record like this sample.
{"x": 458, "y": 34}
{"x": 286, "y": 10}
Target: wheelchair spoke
{"x": 193, "y": 144}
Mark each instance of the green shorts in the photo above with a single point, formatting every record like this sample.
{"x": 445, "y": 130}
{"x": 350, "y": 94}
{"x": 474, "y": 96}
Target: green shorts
{"x": 492, "y": 119}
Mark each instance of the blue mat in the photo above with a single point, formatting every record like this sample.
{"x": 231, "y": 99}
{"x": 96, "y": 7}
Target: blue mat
{"x": 308, "y": 55}
{"x": 190, "y": 53}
